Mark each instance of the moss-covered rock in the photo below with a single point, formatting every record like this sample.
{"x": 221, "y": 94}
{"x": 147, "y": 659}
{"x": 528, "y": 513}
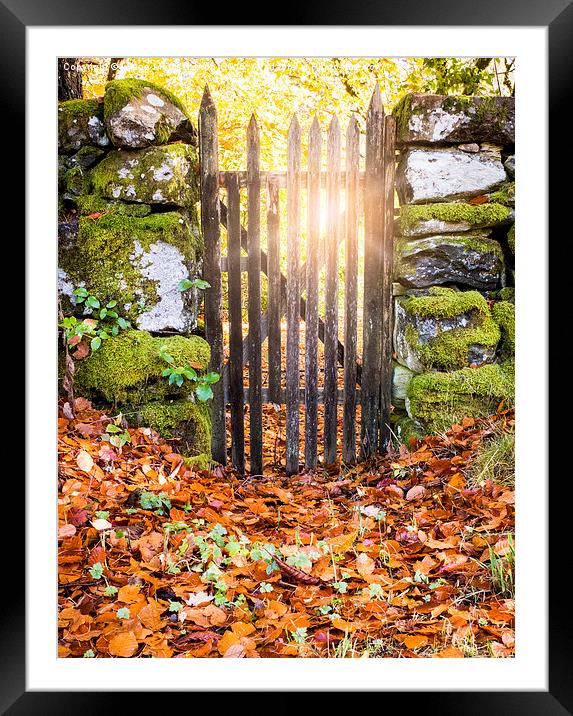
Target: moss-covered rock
{"x": 427, "y": 118}
{"x": 139, "y": 114}
{"x": 186, "y": 422}
{"x": 74, "y": 182}
{"x": 80, "y": 123}
{"x": 85, "y": 158}
{"x": 503, "y": 313}
{"x": 157, "y": 175}
{"x": 470, "y": 258}
{"x": 126, "y": 370}
{"x": 441, "y": 218}
{"x": 139, "y": 262}
{"x": 444, "y": 330}
{"x": 437, "y": 400}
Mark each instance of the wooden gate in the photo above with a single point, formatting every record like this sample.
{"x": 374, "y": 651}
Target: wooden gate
{"x": 368, "y": 196}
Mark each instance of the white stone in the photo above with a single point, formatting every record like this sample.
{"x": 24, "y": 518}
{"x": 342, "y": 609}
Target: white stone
{"x": 431, "y": 175}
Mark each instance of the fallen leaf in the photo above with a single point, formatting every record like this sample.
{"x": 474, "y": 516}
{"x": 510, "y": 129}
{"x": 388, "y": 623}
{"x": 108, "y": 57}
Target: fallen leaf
{"x": 418, "y": 492}
{"x": 66, "y": 531}
{"x": 101, "y": 525}
{"x": 84, "y": 461}
{"x": 123, "y": 644}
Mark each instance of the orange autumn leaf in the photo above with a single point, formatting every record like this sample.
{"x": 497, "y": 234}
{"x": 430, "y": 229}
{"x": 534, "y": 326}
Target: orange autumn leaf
{"x": 342, "y": 543}
{"x": 123, "y": 644}
{"x": 415, "y": 641}
{"x": 129, "y": 594}
{"x": 150, "y": 616}
{"x": 450, "y": 653}
{"x": 242, "y": 628}
{"x": 228, "y": 639}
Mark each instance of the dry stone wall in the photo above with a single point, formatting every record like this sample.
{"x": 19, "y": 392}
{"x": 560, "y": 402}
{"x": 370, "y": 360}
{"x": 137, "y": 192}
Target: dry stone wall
{"x": 454, "y": 260}
{"x": 129, "y": 232}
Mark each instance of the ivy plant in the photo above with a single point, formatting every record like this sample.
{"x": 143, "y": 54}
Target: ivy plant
{"x": 178, "y": 374}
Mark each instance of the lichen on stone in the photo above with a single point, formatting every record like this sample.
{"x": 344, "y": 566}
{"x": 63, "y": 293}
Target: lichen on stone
{"x": 156, "y": 175}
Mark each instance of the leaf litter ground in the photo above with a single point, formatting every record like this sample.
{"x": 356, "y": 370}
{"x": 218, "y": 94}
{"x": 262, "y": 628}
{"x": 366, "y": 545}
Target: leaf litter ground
{"x": 396, "y": 558}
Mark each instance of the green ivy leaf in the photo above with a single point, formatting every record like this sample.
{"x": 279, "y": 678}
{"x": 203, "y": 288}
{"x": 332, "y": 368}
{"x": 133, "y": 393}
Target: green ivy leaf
{"x": 95, "y": 343}
{"x": 97, "y": 570}
{"x": 203, "y": 392}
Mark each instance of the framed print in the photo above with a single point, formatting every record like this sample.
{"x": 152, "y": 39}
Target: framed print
{"x": 141, "y": 564}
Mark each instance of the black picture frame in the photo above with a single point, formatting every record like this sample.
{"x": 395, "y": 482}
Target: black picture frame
{"x": 557, "y": 16}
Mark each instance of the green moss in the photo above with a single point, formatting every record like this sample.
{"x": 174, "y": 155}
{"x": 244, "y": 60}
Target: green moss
{"x": 445, "y": 303}
{"x": 127, "y": 369}
{"x": 503, "y": 313}
{"x": 93, "y": 203}
{"x": 474, "y": 215}
{"x": 511, "y": 239}
{"x": 119, "y": 92}
{"x": 505, "y": 195}
{"x": 402, "y": 112}
{"x": 105, "y": 258}
{"x": 183, "y": 420}
{"x": 81, "y": 108}
{"x": 75, "y": 181}
{"x": 439, "y": 399}
{"x": 506, "y": 294}
{"x": 200, "y": 462}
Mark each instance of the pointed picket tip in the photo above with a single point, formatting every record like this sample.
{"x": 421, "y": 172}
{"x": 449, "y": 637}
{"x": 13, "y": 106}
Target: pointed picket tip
{"x": 376, "y": 100}
{"x": 253, "y": 127}
{"x": 207, "y": 100}
{"x": 352, "y": 127}
{"x": 315, "y": 125}
{"x": 294, "y": 126}
{"x": 334, "y": 125}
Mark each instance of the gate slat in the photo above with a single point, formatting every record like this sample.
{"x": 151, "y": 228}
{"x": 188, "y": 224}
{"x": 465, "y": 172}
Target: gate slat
{"x": 350, "y": 299}
{"x": 274, "y": 292}
{"x": 293, "y": 296}
{"x": 236, "y": 326}
{"x": 210, "y": 219}
{"x": 254, "y": 301}
{"x": 311, "y": 313}
{"x": 331, "y": 290}
{"x": 373, "y": 238}
{"x": 388, "y": 246}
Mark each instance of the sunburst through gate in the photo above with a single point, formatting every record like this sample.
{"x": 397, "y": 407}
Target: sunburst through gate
{"x": 338, "y": 222}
